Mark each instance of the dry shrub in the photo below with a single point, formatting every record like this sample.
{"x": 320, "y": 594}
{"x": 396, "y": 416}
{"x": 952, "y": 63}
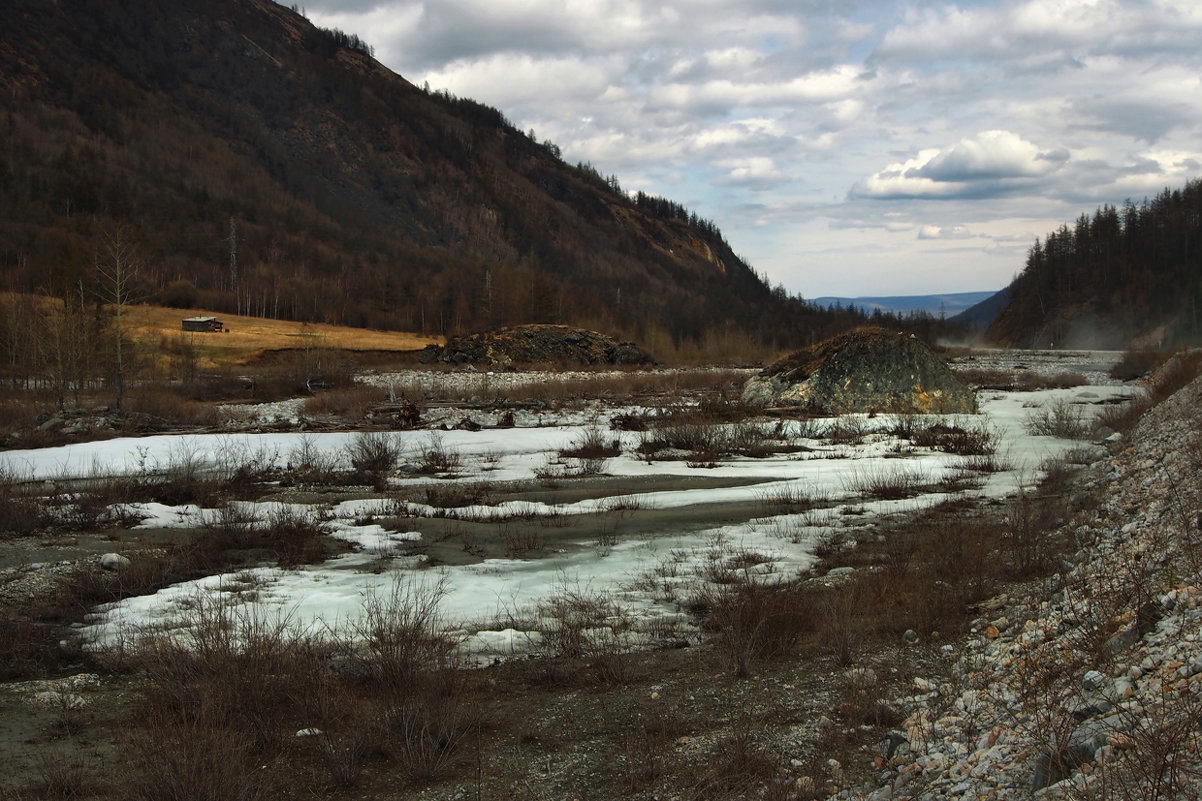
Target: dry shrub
{"x": 1030, "y": 519}
{"x": 975, "y": 440}
{"x": 404, "y": 634}
{"x": 569, "y": 620}
{"x": 437, "y": 458}
{"x": 196, "y": 758}
{"x": 1059, "y": 418}
{"x": 228, "y": 669}
{"x": 739, "y": 768}
{"x": 1138, "y": 362}
{"x": 591, "y": 443}
{"x": 433, "y": 722}
{"x": 167, "y": 406}
{"x": 344, "y": 728}
{"x": 87, "y": 586}
{"x": 409, "y": 662}
{"x": 26, "y": 648}
{"x": 96, "y": 501}
{"x": 293, "y": 535}
{"x": 296, "y": 536}
{"x": 352, "y": 402}
{"x": 704, "y": 439}
{"x": 1156, "y": 757}
{"x": 887, "y": 483}
{"x": 1031, "y": 380}
{"x": 65, "y": 776}
{"x": 1122, "y": 417}
{"x": 846, "y": 430}
{"x": 647, "y": 746}
{"x": 20, "y": 413}
{"x": 307, "y": 463}
{"x": 373, "y": 455}
{"x": 21, "y": 512}
{"x": 986, "y": 378}
{"x": 752, "y": 621}
{"x": 452, "y": 496}
{"x": 1178, "y": 371}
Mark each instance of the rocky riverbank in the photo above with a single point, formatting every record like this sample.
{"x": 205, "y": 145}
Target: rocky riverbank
{"x": 1088, "y": 685}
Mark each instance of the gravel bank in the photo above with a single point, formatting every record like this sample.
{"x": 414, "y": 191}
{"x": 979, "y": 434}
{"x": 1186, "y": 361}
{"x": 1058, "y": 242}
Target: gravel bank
{"x": 1087, "y": 686}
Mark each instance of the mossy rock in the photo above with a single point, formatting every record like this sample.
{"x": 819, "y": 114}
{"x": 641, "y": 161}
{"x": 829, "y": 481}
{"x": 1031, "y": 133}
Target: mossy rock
{"x": 864, "y": 370}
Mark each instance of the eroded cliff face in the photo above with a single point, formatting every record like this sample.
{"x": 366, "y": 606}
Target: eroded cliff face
{"x": 865, "y": 370}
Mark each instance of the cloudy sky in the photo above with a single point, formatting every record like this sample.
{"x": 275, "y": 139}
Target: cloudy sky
{"x": 844, "y": 147}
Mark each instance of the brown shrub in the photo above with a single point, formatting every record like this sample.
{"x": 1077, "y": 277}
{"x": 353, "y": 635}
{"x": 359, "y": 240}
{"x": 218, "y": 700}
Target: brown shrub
{"x": 351, "y": 402}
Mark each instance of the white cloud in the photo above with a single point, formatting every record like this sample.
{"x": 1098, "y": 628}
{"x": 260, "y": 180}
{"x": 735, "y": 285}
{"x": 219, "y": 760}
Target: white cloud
{"x": 991, "y": 162}
{"x": 754, "y": 172}
{"x": 941, "y": 232}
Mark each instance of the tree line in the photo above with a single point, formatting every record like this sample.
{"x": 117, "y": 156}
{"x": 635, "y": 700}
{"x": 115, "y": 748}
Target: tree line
{"x": 1113, "y": 276}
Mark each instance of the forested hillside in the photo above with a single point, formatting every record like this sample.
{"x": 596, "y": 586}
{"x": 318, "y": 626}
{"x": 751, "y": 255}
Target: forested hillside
{"x": 250, "y": 162}
{"x": 1123, "y": 276}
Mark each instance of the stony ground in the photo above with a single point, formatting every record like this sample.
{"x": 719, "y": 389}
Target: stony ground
{"x": 1086, "y": 686}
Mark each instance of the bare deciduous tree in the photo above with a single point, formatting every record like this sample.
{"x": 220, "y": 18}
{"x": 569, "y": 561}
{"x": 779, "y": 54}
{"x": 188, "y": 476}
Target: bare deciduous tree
{"x": 117, "y": 265}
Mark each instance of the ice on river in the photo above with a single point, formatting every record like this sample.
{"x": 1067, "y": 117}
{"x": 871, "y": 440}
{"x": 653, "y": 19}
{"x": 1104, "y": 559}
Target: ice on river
{"x": 490, "y": 598}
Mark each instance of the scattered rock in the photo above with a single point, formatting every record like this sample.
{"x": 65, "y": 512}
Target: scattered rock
{"x": 114, "y": 561}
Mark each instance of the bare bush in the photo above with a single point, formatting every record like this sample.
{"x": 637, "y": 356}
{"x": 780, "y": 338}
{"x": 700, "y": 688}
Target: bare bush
{"x": 592, "y": 444}
{"x": 404, "y": 633}
{"x": 739, "y": 768}
{"x": 308, "y": 463}
{"x": 226, "y": 669}
{"x": 436, "y": 458}
{"x": 751, "y": 621}
{"x": 890, "y": 483}
{"x": 846, "y": 429}
{"x": 65, "y": 776}
{"x": 21, "y": 512}
{"x": 972, "y": 440}
{"x": 1059, "y": 418}
{"x": 408, "y": 656}
{"x": 196, "y": 758}
{"x": 844, "y": 620}
{"x": 373, "y": 455}
{"x": 297, "y": 536}
{"x": 349, "y": 402}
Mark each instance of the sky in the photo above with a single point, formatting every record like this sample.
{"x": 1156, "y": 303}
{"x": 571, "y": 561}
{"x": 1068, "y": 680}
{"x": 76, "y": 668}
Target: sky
{"x": 843, "y": 148}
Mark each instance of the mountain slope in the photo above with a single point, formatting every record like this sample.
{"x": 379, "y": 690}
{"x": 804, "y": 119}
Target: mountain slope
{"x": 1120, "y": 277}
{"x": 265, "y": 166}
{"x": 980, "y": 315}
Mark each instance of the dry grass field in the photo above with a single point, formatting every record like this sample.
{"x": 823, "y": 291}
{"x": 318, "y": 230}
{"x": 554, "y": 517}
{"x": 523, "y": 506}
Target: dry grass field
{"x": 246, "y": 339}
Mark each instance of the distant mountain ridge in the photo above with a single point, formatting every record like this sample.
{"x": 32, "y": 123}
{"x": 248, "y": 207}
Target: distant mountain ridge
{"x": 949, "y": 304}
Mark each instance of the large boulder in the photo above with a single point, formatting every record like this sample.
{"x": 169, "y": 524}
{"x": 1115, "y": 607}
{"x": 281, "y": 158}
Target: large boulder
{"x": 865, "y": 370}
{"x": 536, "y": 344}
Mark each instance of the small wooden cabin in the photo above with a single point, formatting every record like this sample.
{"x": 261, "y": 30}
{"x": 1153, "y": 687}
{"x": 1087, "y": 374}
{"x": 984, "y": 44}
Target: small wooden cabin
{"x": 202, "y": 324}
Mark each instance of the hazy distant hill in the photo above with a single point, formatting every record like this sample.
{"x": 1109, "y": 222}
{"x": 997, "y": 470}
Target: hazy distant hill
{"x": 981, "y": 315}
{"x": 937, "y": 305}
{"x": 262, "y": 165}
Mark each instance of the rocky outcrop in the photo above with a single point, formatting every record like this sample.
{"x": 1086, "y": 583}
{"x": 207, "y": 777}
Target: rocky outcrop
{"x": 507, "y": 348}
{"x": 865, "y": 370}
